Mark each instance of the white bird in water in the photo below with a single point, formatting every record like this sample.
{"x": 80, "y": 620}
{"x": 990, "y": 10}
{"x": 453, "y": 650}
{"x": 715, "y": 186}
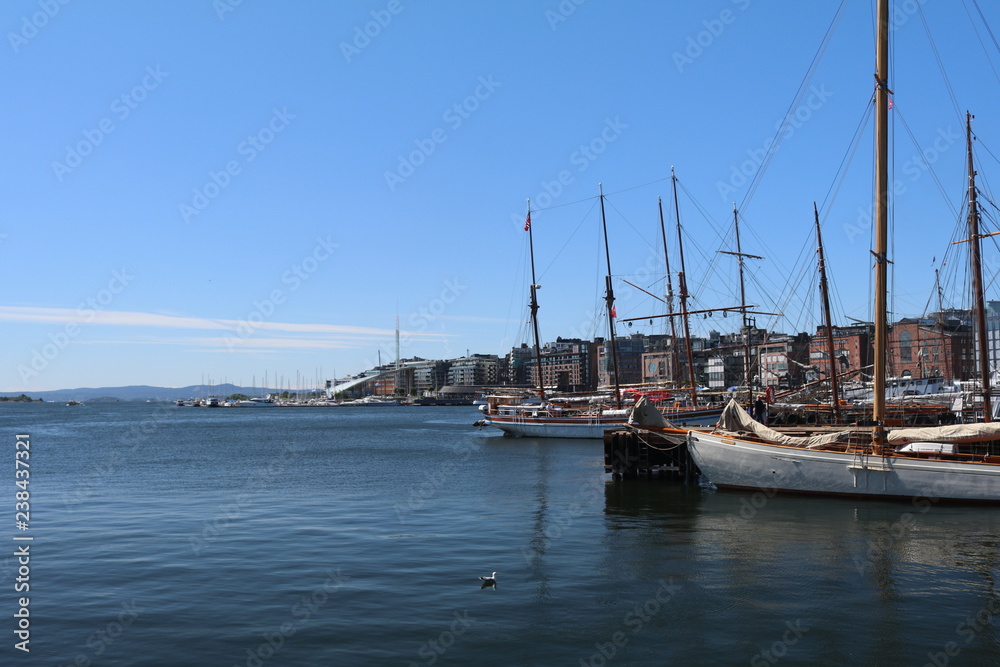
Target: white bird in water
{"x": 490, "y": 580}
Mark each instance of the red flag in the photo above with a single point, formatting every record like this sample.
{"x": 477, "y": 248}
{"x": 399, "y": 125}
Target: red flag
{"x": 614, "y": 312}
{"x": 527, "y": 223}
{"x": 890, "y": 102}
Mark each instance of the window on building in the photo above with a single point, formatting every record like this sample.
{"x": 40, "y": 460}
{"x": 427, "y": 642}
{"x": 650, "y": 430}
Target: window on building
{"x": 905, "y": 347}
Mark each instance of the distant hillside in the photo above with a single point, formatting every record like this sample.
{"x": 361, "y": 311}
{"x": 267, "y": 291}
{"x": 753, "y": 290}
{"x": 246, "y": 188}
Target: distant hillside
{"x": 143, "y": 393}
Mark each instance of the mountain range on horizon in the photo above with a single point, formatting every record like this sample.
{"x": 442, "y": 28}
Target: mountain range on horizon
{"x": 142, "y": 393}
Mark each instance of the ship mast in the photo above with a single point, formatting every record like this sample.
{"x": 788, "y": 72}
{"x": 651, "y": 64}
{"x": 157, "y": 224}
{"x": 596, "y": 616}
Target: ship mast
{"x": 682, "y": 286}
{"x": 977, "y": 279}
{"x": 743, "y": 302}
{"x": 534, "y": 305}
{"x": 945, "y": 342}
{"x": 669, "y": 295}
{"x": 743, "y": 308}
{"x": 824, "y": 290}
{"x": 881, "y": 221}
{"x": 610, "y": 300}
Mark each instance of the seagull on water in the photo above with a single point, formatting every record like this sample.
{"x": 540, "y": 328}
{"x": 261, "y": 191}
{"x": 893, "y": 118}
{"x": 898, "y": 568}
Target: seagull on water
{"x": 490, "y": 580}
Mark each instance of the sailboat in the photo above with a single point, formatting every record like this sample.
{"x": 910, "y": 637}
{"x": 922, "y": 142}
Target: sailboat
{"x": 562, "y": 416}
{"x": 946, "y": 463}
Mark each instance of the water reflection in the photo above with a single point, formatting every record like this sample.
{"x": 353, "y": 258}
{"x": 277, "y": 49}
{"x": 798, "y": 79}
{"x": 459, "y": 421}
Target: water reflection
{"x": 879, "y": 582}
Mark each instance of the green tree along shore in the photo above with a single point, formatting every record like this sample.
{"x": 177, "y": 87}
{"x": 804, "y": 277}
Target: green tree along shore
{"x": 18, "y": 399}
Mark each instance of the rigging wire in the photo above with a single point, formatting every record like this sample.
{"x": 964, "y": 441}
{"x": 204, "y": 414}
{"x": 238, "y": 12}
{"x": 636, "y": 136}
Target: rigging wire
{"x": 940, "y": 64}
{"x": 792, "y": 107}
{"x": 988, "y": 30}
{"x": 568, "y": 239}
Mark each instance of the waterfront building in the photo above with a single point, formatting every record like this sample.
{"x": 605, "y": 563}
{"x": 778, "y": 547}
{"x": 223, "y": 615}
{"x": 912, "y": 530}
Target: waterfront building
{"x": 568, "y": 364}
{"x": 629, "y": 361}
{"x": 933, "y": 346}
{"x": 852, "y": 350}
{"x": 478, "y": 369}
{"x": 783, "y": 360}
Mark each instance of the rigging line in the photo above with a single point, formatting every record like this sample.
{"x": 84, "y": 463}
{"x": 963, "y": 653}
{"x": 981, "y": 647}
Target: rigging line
{"x": 566, "y": 242}
{"x": 636, "y": 187}
{"x": 924, "y": 163}
{"x": 606, "y": 194}
{"x": 627, "y": 222}
{"x": 848, "y": 158}
{"x": 722, "y": 236}
{"x": 987, "y": 149}
{"x": 975, "y": 3}
{"x": 789, "y": 113}
{"x": 940, "y": 64}
{"x": 988, "y": 30}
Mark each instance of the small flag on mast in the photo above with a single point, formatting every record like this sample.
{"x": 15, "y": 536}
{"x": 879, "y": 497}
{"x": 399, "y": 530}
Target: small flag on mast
{"x": 527, "y": 222}
{"x": 614, "y": 312}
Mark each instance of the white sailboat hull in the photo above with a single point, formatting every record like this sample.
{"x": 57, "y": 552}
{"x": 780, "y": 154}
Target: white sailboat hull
{"x": 541, "y": 427}
{"x": 582, "y": 427}
{"x": 735, "y": 463}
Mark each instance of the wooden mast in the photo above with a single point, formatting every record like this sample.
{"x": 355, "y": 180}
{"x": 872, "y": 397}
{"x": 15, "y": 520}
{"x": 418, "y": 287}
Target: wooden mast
{"x": 881, "y": 222}
{"x": 682, "y": 286}
{"x": 945, "y": 342}
{"x": 610, "y": 300}
{"x": 824, "y": 290}
{"x": 740, "y": 255}
{"x": 743, "y": 309}
{"x": 534, "y": 305}
{"x": 669, "y": 295}
{"x": 977, "y": 279}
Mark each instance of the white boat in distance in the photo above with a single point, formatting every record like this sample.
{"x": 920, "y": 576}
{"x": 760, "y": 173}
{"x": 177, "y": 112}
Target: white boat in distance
{"x": 258, "y": 402}
{"x": 556, "y": 420}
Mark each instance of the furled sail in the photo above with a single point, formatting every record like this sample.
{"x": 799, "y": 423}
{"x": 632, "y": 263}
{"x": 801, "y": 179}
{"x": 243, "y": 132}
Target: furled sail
{"x": 735, "y": 419}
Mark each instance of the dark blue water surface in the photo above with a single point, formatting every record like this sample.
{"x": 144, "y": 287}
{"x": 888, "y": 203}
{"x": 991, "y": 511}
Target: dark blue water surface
{"x": 356, "y": 536}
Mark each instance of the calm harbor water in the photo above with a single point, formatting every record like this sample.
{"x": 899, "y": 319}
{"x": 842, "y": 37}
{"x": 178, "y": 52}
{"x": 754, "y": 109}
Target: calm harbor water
{"x": 356, "y": 536}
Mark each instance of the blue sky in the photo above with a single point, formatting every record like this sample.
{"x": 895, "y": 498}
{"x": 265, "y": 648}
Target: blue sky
{"x": 204, "y": 189}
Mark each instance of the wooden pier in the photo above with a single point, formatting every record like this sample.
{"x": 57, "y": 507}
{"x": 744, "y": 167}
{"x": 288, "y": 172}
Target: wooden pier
{"x": 629, "y": 453}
